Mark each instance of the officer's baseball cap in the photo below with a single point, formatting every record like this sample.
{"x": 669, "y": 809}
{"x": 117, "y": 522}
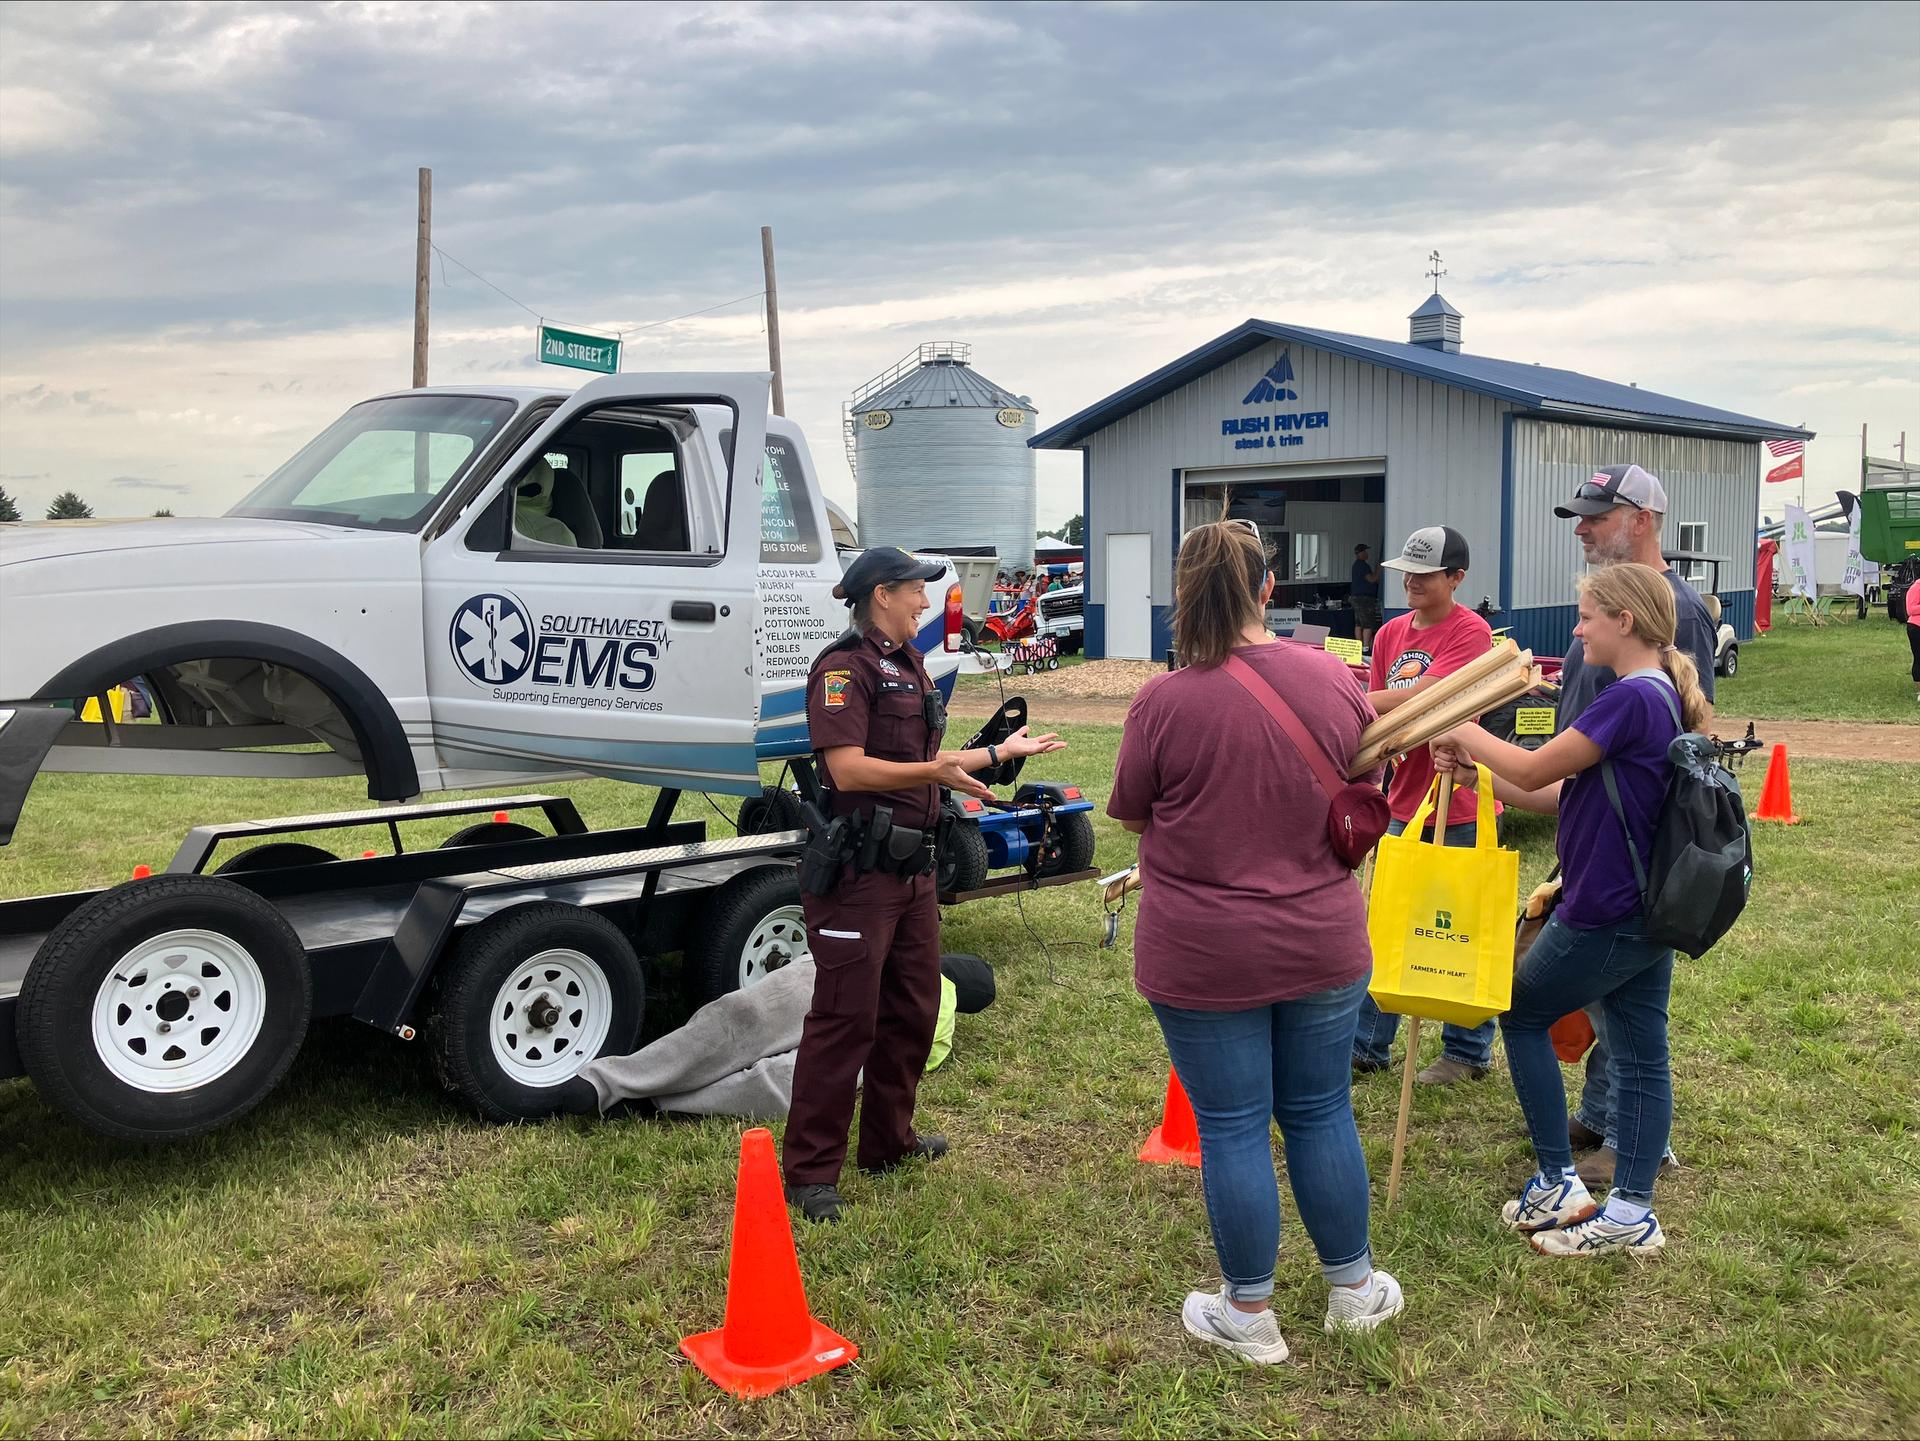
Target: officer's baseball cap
{"x": 1436, "y": 547}
{"x": 880, "y": 566}
{"x": 1616, "y": 485}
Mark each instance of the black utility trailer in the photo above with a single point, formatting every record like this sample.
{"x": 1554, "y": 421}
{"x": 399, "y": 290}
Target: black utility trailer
{"x": 173, "y": 1003}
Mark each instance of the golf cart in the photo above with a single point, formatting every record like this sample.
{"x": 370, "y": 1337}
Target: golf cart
{"x": 1702, "y": 572}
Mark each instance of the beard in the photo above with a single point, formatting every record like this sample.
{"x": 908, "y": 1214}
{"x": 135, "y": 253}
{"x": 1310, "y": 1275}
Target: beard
{"x": 1615, "y": 549}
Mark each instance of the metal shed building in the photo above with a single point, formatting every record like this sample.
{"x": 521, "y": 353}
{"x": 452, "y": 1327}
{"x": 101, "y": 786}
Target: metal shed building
{"x": 1326, "y": 439}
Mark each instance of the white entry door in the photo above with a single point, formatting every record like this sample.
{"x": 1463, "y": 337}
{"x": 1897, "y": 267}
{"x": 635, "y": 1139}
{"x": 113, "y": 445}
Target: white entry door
{"x": 1130, "y": 597}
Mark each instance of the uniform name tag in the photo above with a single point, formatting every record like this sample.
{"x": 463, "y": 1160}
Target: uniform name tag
{"x": 836, "y": 682}
{"x": 906, "y": 686}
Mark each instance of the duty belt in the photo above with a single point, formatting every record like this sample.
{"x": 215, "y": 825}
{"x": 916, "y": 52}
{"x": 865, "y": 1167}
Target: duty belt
{"x": 869, "y": 843}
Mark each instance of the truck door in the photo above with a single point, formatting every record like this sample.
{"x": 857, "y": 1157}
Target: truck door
{"x": 594, "y": 608}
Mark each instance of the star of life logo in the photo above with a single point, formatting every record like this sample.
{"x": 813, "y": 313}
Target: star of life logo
{"x": 1275, "y": 385}
{"x": 492, "y": 639}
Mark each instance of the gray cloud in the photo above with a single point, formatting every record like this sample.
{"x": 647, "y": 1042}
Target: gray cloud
{"x": 1084, "y": 190}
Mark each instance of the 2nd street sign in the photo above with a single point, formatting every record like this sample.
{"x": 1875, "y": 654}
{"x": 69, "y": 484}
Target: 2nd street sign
{"x": 582, "y": 352}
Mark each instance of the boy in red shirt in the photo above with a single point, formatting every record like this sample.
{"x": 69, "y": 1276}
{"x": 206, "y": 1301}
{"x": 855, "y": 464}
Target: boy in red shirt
{"x": 1411, "y": 652}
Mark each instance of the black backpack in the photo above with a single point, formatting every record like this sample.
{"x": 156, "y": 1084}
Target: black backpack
{"x": 1702, "y": 849}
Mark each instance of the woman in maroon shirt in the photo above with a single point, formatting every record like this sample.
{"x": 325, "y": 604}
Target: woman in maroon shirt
{"x": 1251, "y": 943}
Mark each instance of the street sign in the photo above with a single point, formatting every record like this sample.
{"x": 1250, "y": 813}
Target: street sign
{"x": 582, "y": 352}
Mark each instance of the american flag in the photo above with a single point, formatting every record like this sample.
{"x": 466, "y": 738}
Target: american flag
{"x": 1786, "y": 447}
{"x": 1601, "y": 477}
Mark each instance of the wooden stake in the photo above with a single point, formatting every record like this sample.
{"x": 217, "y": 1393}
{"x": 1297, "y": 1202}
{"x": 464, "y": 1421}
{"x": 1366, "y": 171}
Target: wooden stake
{"x": 1413, "y": 1033}
{"x": 773, "y": 322}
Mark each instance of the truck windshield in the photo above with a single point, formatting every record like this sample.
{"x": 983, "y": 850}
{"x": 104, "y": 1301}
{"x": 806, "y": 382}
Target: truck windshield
{"x": 382, "y": 465}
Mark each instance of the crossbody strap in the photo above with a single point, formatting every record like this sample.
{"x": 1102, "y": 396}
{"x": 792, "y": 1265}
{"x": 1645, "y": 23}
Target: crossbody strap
{"x": 1283, "y": 715}
{"x": 1672, "y": 699}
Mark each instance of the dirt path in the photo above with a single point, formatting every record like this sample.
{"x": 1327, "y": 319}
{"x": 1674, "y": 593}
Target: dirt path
{"x": 1822, "y": 740}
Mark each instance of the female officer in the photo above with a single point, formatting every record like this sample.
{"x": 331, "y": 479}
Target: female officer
{"x": 874, "y": 925}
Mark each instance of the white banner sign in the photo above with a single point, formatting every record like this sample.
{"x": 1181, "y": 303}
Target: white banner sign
{"x": 1798, "y": 553}
{"x": 1854, "y": 581}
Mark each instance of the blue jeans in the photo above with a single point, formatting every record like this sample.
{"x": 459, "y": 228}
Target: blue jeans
{"x": 1630, "y": 978}
{"x": 1595, "y": 1110}
{"x": 1373, "y": 1037}
{"x": 1287, "y": 1062}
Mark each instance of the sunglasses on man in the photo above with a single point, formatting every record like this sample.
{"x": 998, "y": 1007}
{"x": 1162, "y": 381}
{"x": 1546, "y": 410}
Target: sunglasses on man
{"x": 1593, "y": 490}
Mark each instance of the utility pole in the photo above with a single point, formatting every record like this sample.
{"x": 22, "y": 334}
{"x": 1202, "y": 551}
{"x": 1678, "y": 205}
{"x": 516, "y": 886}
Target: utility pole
{"x": 422, "y": 274}
{"x": 773, "y": 321}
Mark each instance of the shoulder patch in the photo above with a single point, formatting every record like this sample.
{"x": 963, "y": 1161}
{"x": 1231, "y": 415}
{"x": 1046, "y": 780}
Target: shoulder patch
{"x": 835, "y": 683}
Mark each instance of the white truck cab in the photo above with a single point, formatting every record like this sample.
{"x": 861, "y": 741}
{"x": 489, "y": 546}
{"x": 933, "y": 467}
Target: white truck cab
{"x": 453, "y": 587}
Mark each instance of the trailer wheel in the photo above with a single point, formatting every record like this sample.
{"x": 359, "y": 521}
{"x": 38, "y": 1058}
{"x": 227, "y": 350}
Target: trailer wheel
{"x": 961, "y": 864}
{"x": 529, "y": 997}
{"x": 273, "y": 856}
{"x": 752, "y": 927}
{"x": 490, "y": 833}
{"x": 775, "y": 809}
{"x": 164, "y": 1007}
{"x": 1074, "y": 852}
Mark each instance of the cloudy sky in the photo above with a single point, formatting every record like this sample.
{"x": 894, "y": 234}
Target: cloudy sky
{"x": 207, "y": 212}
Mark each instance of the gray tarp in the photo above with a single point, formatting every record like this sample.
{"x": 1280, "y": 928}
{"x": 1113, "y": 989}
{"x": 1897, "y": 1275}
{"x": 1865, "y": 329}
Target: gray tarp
{"x": 733, "y": 1058}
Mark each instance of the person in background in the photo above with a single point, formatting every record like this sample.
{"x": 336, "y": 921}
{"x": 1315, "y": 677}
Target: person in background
{"x": 1913, "y": 634}
{"x": 1619, "y": 513}
{"x": 1253, "y": 958}
{"x": 1365, "y": 594}
{"x": 1593, "y": 952}
{"x": 1411, "y": 652}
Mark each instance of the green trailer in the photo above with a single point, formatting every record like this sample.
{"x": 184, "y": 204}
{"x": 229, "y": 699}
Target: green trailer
{"x": 1890, "y": 535}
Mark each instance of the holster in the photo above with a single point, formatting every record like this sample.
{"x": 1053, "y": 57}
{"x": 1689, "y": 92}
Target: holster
{"x": 828, "y": 850}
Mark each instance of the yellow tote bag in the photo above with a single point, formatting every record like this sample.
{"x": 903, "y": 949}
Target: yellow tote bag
{"x": 1441, "y": 920}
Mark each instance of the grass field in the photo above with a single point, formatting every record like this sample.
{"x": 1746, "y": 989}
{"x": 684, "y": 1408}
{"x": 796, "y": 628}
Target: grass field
{"x": 1861, "y": 670}
{"x": 357, "y": 1257}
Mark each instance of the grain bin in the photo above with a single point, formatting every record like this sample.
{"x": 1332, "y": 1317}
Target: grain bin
{"x": 940, "y": 458}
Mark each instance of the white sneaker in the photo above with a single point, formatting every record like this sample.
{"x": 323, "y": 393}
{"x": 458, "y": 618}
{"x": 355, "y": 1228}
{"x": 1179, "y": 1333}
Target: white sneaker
{"x": 1544, "y": 1206}
{"x": 1350, "y": 1310}
{"x": 1205, "y": 1316}
{"x": 1600, "y": 1236}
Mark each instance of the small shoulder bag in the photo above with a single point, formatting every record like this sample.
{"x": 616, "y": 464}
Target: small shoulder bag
{"x": 1357, "y": 813}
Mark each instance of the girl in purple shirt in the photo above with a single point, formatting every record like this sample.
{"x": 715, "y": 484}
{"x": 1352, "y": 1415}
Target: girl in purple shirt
{"x": 1593, "y": 950}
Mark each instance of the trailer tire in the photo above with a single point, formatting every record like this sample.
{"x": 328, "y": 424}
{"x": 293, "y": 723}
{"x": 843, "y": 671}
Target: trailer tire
{"x": 490, "y": 833}
{"x": 1075, "y": 849}
{"x": 749, "y": 928}
{"x": 961, "y": 864}
{"x": 1898, "y": 604}
{"x": 161, "y": 952}
{"x": 775, "y": 809}
{"x": 488, "y": 1025}
{"x": 274, "y": 856}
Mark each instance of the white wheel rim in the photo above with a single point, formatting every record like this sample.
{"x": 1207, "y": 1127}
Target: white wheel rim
{"x": 778, "y": 941}
{"x": 550, "y": 1017}
{"x": 178, "y": 1011}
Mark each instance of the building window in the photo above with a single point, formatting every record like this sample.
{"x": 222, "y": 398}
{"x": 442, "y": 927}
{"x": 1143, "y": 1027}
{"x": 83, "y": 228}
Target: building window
{"x": 1693, "y": 535}
{"x": 1310, "y": 555}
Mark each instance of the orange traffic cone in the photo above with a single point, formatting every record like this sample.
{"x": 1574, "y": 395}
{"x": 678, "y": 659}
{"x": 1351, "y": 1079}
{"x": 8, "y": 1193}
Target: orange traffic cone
{"x": 1176, "y": 1140}
{"x": 770, "y": 1341}
{"x": 1776, "y": 795}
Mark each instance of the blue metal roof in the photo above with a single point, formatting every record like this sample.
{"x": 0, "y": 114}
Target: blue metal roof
{"x": 1563, "y": 394}
{"x": 1434, "y": 304}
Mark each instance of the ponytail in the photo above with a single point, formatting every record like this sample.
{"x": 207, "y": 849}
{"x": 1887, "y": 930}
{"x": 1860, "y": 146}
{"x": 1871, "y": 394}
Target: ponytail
{"x": 1643, "y": 593}
{"x": 1216, "y": 591}
{"x": 1685, "y": 675}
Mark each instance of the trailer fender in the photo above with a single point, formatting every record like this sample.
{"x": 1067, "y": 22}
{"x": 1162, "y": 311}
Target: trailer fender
{"x": 26, "y": 735}
{"x": 391, "y": 774}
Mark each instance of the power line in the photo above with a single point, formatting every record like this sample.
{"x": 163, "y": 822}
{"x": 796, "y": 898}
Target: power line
{"x": 619, "y": 334}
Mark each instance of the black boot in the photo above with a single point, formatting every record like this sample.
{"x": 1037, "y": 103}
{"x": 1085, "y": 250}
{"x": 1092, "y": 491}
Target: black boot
{"x": 927, "y": 1148}
{"x": 817, "y": 1203}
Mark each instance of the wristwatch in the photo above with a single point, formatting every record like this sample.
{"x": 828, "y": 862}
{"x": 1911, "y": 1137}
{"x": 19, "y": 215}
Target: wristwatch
{"x": 993, "y": 757}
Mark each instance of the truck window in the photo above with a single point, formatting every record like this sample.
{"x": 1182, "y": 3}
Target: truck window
{"x": 610, "y": 482}
{"x": 383, "y": 464}
{"x": 788, "y": 534}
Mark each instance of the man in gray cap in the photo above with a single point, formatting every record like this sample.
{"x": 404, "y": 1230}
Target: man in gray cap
{"x": 1620, "y": 510}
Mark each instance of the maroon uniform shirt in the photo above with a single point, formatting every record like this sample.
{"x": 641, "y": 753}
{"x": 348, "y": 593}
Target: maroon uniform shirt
{"x": 870, "y": 691}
